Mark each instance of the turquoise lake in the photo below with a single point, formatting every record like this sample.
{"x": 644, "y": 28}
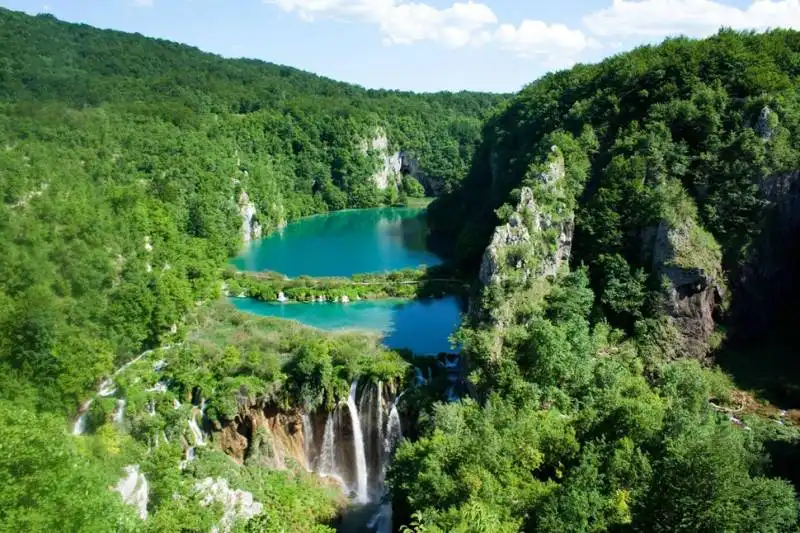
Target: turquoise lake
{"x": 422, "y": 326}
{"x": 343, "y": 243}
{"x": 353, "y": 242}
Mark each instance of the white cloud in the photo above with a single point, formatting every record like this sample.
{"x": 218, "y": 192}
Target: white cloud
{"x": 694, "y": 18}
{"x": 400, "y": 22}
{"x": 461, "y": 24}
{"x": 556, "y": 43}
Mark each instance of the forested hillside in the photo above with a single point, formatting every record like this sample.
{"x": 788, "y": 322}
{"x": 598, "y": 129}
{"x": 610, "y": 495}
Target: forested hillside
{"x": 627, "y": 222}
{"x": 128, "y": 163}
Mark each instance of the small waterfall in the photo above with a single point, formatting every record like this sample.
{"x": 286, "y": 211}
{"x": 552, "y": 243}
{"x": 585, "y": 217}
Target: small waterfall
{"x": 195, "y": 428}
{"x": 134, "y": 490}
{"x": 308, "y": 438}
{"x": 380, "y": 411}
{"x": 79, "y": 428}
{"x": 394, "y": 432}
{"x": 106, "y": 388}
{"x": 327, "y": 459}
{"x": 119, "y": 412}
{"x": 358, "y": 444}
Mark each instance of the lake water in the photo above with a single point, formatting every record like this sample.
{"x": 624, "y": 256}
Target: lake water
{"x": 422, "y": 326}
{"x": 352, "y": 242}
{"x": 343, "y": 243}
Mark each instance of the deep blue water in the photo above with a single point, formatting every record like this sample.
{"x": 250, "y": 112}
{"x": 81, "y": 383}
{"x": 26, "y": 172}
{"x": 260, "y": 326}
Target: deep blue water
{"x": 422, "y": 326}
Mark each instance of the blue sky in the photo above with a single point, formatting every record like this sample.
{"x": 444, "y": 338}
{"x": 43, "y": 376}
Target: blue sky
{"x": 422, "y": 45}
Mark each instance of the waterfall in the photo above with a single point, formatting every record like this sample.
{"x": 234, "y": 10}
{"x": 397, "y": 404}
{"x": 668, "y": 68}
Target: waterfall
{"x": 195, "y": 428}
{"x": 394, "y": 432}
{"x": 308, "y": 438}
{"x": 380, "y": 412}
{"x": 79, "y": 428}
{"x": 327, "y": 460}
{"x": 119, "y": 412}
{"x": 358, "y": 444}
{"x": 134, "y": 490}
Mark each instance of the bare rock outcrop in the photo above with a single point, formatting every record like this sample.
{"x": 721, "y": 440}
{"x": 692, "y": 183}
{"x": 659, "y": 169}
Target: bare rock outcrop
{"x": 251, "y": 227}
{"x": 522, "y": 247}
{"x": 265, "y": 435}
{"x": 688, "y": 261}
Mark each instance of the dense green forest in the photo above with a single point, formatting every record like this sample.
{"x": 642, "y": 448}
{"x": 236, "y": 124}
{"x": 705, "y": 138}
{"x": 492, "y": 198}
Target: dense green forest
{"x": 622, "y": 225}
{"x": 670, "y": 172}
{"x": 123, "y": 160}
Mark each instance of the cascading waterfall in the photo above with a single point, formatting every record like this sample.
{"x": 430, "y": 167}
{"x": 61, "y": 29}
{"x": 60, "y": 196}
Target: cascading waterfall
{"x": 362, "y": 488}
{"x": 195, "y": 428}
{"x": 79, "y": 428}
{"x": 119, "y": 412}
{"x": 308, "y": 438}
{"x": 373, "y": 424}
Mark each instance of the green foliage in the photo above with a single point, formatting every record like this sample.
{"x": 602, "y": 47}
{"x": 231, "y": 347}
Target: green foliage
{"x": 124, "y": 162}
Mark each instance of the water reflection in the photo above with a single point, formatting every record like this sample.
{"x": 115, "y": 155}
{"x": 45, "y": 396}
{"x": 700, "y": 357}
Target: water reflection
{"x": 344, "y": 243}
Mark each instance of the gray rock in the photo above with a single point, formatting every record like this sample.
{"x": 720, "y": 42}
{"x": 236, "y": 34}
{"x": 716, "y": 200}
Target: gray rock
{"x": 763, "y": 128}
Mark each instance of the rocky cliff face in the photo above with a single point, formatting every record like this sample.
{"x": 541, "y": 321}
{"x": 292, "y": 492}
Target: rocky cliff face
{"x": 688, "y": 262}
{"x": 251, "y": 228}
{"x": 531, "y": 247}
{"x": 266, "y": 436}
{"x": 389, "y": 164}
{"x": 534, "y": 242}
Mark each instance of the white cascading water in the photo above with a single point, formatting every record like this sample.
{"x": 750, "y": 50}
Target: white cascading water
{"x": 119, "y": 412}
{"x": 195, "y": 428}
{"x": 308, "y": 438}
{"x": 327, "y": 458}
{"x": 79, "y": 428}
{"x": 362, "y": 489}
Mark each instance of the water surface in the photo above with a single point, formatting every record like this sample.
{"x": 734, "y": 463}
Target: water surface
{"x": 344, "y": 243}
{"x": 422, "y": 326}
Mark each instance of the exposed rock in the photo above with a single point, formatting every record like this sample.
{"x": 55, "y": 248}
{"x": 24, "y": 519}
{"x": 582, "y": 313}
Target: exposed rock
{"x": 765, "y": 124}
{"x": 264, "y": 435}
{"x": 237, "y": 505}
{"x": 409, "y": 166}
{"x": 693, "y": 282}
{"x": 134, "y": 490}
{"x": 520, "y": 243}
{"x": 514, "y": 233}
{"x": 390, "y": 164}
{"x": 251, "y": 228}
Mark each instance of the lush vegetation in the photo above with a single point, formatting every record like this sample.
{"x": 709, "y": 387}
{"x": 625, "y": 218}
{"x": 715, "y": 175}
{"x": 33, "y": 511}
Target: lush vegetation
{"x": 586, "y": 414}
{"x": 123, "y": 161}
{"x": 227, "y": 358}
{"x": 408, "y": 283}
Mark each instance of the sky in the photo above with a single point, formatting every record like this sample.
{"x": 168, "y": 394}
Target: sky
{"x": 422, "y": 45}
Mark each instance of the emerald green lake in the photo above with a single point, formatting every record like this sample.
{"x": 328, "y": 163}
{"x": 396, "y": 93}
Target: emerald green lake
{"x": 343, "y": 243}
{"x": 352, "y": 242}
{"x": 422, "y": 326}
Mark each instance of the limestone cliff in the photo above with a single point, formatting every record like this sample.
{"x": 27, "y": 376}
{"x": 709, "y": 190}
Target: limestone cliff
{"x": 251, "y": 228}
{"x": 528, "y": 249}
{"x": 535, "y": 241}
{"x": 263, "y": 435}
{"x": 389, "y": 169}
{"x": 687, "y": 260}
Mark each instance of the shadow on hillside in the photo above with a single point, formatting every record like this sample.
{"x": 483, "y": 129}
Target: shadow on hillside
{"x": 769, "y": 366}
